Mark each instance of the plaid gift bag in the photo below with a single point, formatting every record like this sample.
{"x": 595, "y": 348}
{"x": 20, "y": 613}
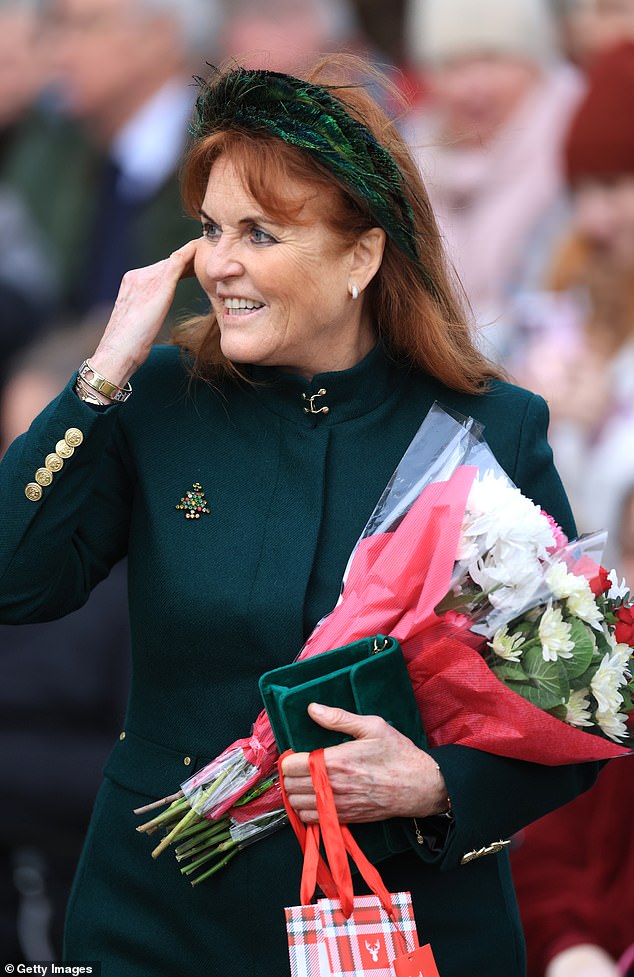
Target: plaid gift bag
{"x": 306, "y": 948}
{"x": 345, "y": 935}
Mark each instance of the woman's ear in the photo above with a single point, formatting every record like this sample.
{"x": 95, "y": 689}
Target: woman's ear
{"x": 367, "y": 256}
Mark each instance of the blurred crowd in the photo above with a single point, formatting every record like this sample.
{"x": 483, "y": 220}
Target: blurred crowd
{"x": 519, "y": 115}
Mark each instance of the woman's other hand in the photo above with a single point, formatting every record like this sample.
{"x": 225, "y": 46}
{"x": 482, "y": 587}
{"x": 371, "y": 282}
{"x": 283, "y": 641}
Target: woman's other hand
{"x": 142, "y": 304}
{"x": 585, "y": 960}
{"x": 379, "y": 774}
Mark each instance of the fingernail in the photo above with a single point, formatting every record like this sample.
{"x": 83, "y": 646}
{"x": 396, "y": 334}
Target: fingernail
{"x": 317, "y": 709}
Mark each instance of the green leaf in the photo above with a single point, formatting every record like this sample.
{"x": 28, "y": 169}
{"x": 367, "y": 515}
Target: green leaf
{"x": 602, "y": 645}
{"x": 522, "y": 627}
{"x": 584, "y": 641}
{"x": 533, "y": 694}
{"x": 548, "y": 684}
{"x": 512, "y": 671}
{"x": 559, "y": 712}
{"x": 583, "y": 681}
{"x": 532, "y": 644}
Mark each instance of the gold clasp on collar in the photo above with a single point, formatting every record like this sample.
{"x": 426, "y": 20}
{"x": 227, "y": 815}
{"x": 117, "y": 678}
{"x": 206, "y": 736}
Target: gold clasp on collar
{"x": 312, "y": 409}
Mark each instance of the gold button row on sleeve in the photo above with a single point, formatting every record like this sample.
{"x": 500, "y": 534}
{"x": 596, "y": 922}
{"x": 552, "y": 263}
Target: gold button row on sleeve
{"x": 53, "y": 463}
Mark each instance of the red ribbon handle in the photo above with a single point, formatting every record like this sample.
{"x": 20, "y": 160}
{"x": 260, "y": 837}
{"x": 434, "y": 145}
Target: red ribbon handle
{"x": 338, "y": 842}
{"x": 315, "y": 871}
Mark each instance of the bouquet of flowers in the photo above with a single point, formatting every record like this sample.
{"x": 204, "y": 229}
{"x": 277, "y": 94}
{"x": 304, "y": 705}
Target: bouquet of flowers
{"x": 517, "y": 642}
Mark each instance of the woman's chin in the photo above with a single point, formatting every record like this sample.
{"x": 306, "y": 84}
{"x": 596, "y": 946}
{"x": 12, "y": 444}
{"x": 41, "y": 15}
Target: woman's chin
{"x": 241, "y": 352}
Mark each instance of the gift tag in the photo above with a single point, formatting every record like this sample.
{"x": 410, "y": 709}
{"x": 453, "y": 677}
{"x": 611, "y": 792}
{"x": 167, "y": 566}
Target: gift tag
{"x": 419, "y": 963}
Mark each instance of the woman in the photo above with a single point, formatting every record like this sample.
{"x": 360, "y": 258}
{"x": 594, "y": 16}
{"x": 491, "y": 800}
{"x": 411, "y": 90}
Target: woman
{"x": 580, "y": 349}
{"x": 488, "y": 140}
{"x": 333, "y": 329}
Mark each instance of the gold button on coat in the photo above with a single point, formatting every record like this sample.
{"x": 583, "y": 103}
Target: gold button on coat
{"x": 43, "y": 476}
{"x": 122, "y": 735}
{"x": 33, "y": 492}
{"x": 73, "y": 437}
{"x": 64, "y": 450}
{"x": 187, "y": 761}
{"x": 53, "y": 462}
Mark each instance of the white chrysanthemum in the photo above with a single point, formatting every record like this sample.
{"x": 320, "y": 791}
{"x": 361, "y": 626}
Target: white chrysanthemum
{"x": 607, "y": 681}
{"x": 582, "y": 604}
{"x": 496, "y": 510}
{"x": 578, "y": 709}
{"x": 562, "y": 583}
{"x": 613, "y": 725}
{"x": 621, "y": 653}
{"x": 510, "y": 575}
{"x": 554, "y": 634}
{"x": 617, "y": 589}
{"x": 507, "y": 645}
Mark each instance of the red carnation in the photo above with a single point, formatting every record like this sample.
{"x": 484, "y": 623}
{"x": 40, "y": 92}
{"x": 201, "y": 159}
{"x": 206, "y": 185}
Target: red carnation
{"x": 624, "y": 630}
{"x": 601, "y": 583}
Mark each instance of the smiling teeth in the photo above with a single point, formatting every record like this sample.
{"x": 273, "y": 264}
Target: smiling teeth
{"x": 242, "y": 304}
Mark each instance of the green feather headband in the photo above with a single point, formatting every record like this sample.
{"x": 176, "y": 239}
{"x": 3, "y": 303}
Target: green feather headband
{"x": 309, "y": 117}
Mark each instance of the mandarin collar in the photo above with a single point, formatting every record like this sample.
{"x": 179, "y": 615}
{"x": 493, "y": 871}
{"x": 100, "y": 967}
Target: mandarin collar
{"x": 345, "y": 393}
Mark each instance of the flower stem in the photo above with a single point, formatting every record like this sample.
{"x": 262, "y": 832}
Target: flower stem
{"x": 216, "y": 868}
{"x": 227, "y": 846}
{"x": 155, "y": 804}
{"x": 175, "y": 810}
{"x": 201, "y": 826}
{"x": 192, "y": 848}
{"x": 256, "y": 791}
{"x": 174, "y": 833}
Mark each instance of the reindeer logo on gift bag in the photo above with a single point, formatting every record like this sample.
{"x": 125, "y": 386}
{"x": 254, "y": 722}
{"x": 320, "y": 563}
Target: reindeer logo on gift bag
{"x": 373, "y": 950}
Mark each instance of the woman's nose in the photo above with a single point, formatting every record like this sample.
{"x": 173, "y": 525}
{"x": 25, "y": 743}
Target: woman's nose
{"x": 221, "y": 260}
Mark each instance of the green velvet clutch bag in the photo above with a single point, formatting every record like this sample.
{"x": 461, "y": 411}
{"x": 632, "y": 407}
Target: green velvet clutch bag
{"x": 367, "y": 677}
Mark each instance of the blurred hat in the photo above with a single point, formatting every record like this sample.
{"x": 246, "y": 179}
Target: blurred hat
{"x": 600, "y": 140}
{"x": 439, "y": 30}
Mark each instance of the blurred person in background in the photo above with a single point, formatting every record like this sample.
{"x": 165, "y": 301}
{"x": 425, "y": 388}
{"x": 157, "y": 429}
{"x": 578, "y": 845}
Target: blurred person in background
{"x": 62, "y": 701}
{"x": 26, "y": 272}
{"x": 289, "y": 35}
{"x": 383, "y": 24}
{"x": 574, "y": 868}
{"x": 21, "y": 76}
{"x": 573, "y": 872}
{"x": 593, "y": 26}
{"x": 488, "y": 141}
{"x": 281, "y": 35}
{"x": 99, "y": 174}
{"x": 579, "y": 342}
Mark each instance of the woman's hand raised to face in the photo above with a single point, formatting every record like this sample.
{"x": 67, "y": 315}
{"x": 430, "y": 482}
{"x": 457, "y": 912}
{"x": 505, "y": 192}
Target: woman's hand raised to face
{"x": 379, "y": 774}
{"x": 142, "y": 304}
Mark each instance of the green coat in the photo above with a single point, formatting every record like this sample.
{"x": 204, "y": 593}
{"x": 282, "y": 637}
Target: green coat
{"x": 216, "y": 601}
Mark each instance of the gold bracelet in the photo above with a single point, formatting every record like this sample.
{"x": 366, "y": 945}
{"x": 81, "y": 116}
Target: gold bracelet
{"x": 84, "y": 393}
{"x": 103, "y": 386}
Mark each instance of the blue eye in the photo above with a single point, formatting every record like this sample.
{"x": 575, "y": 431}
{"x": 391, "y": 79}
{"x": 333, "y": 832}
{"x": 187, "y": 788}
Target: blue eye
{"x": 259, "y": 236}
{"x": 211, "y": 231}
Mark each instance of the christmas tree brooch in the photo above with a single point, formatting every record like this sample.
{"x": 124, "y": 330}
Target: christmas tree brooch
{"x": 193, "y": 503}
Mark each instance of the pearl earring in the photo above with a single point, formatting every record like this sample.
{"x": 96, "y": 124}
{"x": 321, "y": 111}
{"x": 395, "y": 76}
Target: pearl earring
{"x": 354, "y": 292}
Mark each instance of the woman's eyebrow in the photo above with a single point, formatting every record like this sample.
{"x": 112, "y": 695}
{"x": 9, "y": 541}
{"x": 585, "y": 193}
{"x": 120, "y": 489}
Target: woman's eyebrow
{"x": 255, "y": 218}
{"x": 244, "y": 220}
